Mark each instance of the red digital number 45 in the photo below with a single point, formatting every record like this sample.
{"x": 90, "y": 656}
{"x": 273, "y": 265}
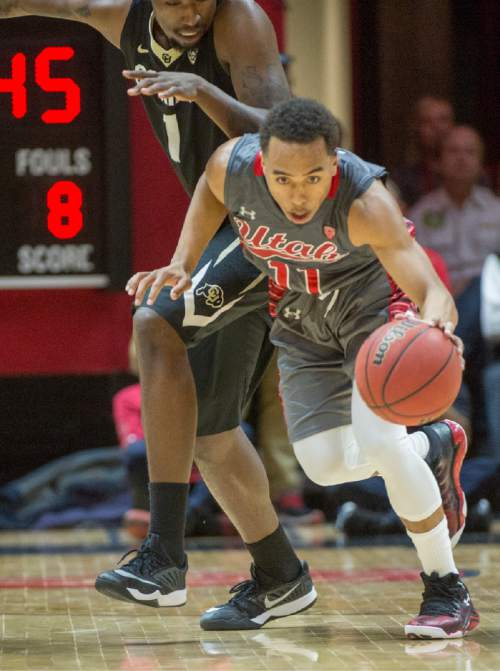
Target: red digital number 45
{"x": 16, "y": 85}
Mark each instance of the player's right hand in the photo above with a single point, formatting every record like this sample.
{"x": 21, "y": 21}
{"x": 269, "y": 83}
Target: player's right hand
{"x": 174, "y": 275}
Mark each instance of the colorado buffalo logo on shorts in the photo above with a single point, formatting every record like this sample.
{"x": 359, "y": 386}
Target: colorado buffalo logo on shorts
{"x": 213, "y": 293}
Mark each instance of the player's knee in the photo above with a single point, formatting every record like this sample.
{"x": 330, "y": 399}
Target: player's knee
{"x": 153, "y": 335}
{"x": 383, "y": 451}
{"x": 380, "y": 442}
{"x": 320, "y": 460}
{"x": 213, "y": 450}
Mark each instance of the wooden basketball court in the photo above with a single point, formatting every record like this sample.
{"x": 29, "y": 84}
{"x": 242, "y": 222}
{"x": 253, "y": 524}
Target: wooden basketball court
{"x": 52, "y": 618}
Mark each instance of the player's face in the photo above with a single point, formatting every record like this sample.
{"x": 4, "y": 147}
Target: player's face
{"x": 461, "y": 156}
{"x": 299, "y": 177}
{"x": 184, "y": 22}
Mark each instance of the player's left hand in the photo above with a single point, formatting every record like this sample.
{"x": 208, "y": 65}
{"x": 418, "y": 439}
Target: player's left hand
{"x": 448, "y": 328}
{"x": 181, "y": 85}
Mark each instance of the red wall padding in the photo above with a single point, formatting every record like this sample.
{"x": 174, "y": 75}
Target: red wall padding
{"x": 86, "y": 331}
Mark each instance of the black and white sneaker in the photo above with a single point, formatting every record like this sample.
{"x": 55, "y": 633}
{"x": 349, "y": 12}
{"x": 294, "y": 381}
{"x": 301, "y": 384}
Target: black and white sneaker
{"x": 149, "y": 578}
{"x": 253, "y": 604}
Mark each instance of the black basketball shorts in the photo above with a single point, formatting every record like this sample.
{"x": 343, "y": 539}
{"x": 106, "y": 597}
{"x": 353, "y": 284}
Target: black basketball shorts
{"x": 224, "y": 321}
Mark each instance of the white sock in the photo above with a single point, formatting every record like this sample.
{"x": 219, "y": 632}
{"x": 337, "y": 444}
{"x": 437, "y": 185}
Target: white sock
{"x": 434, "y": 549}
{"x": 419, "y": 443}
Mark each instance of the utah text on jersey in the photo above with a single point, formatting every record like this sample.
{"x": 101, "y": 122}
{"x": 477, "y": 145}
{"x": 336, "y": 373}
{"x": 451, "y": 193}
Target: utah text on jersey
{"x": 266, "y": 246}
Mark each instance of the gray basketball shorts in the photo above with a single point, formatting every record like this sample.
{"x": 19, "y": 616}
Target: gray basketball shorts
{"x": 224, "y": 321}
{"x": 318, "y": 340}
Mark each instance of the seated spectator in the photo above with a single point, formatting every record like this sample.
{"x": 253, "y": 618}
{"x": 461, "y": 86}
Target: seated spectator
{"x": 461, "y": 221}
{"x": 433, "y": 118}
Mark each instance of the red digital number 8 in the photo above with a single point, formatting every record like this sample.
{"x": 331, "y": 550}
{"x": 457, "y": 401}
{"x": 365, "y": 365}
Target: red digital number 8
{"x": 65, "y": 218}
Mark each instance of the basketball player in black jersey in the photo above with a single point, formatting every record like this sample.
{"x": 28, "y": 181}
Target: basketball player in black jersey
{"x": 206, "y": 70}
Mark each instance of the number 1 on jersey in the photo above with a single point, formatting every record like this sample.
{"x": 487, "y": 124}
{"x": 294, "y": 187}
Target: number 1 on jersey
{"x": 173, "y": 135}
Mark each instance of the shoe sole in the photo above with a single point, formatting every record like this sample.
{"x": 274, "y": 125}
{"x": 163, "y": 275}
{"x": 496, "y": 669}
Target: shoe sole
{"x": 459, "y": 439}
{"x": 155, "y": 599}
{"x": 426, "y": 632}
{"x": 291, "y": 608}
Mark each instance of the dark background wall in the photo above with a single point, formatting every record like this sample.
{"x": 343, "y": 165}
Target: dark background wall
{"x": 406, "y": 49}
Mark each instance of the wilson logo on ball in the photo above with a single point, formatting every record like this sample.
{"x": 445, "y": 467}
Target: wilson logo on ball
{"x": 397, "y": 332}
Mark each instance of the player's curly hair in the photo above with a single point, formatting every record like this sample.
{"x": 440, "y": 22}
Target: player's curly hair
{"x": 300, "y": 120}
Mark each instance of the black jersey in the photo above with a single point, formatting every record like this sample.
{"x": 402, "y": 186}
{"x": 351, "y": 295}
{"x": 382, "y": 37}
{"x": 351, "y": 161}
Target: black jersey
{"x": 186, "y": 133}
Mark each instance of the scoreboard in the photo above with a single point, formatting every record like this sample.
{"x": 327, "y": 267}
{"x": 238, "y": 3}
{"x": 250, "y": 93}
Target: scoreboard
{"x": 64, "y": 206}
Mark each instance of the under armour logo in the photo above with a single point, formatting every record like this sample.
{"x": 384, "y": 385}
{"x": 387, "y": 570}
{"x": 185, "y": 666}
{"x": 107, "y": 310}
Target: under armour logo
{"x": 213, "y": 293}
{"x": 295, "y": 314}
{"x": 193, "y": 55}
{"x": 247, "y": 213}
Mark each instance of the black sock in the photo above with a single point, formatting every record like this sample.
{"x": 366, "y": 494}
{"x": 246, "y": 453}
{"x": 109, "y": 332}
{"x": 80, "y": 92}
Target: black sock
{"x": 168, "y": 503}
{"x": 274, "y": 558}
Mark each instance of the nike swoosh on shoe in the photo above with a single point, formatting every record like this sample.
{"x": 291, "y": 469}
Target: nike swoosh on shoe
{"x": 126, "y": 574}
{"x": 268, "y": 603}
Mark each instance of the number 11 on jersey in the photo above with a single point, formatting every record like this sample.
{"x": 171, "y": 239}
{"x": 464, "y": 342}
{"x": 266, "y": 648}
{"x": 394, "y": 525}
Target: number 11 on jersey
{"x": 282, "y": 276}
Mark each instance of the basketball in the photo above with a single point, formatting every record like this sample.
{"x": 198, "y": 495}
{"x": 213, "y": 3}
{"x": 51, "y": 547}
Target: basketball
{"x": 408, "y": 372}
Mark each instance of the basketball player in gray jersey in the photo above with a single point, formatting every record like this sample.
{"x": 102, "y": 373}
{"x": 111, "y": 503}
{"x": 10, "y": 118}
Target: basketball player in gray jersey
{"x": 320, "y": 223}
{"x": 206, "y": 70}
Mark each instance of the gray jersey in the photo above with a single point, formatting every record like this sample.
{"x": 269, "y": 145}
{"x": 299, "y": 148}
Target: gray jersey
{"x": 333, "y": 295}
{"x": 313, "y": 258}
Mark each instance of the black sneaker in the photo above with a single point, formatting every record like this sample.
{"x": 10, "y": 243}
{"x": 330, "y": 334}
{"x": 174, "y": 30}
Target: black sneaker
{"x": 149, "y": 578}
{"x": 253, "y": 604}
{"x": 448, "y": 447}
{"x": 446, "y": 611}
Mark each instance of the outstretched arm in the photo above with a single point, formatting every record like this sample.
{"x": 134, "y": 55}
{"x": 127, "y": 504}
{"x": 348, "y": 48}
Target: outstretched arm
{"x": 246, "y": 46}
{"x": 106, "y": 16}
{"x": 203, "y": 219}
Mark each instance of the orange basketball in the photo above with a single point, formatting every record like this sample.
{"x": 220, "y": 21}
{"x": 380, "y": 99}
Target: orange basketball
{"x": 408, "y": 372}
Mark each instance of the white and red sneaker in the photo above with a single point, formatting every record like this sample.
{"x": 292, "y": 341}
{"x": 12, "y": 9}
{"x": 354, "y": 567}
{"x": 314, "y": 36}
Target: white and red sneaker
{"x": 448, "y": 447}
{"x": 446, "y": 611}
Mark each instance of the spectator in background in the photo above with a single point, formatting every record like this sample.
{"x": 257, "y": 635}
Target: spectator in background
{"x": 461, "y": 221}
{"x": 433, "y": 118}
